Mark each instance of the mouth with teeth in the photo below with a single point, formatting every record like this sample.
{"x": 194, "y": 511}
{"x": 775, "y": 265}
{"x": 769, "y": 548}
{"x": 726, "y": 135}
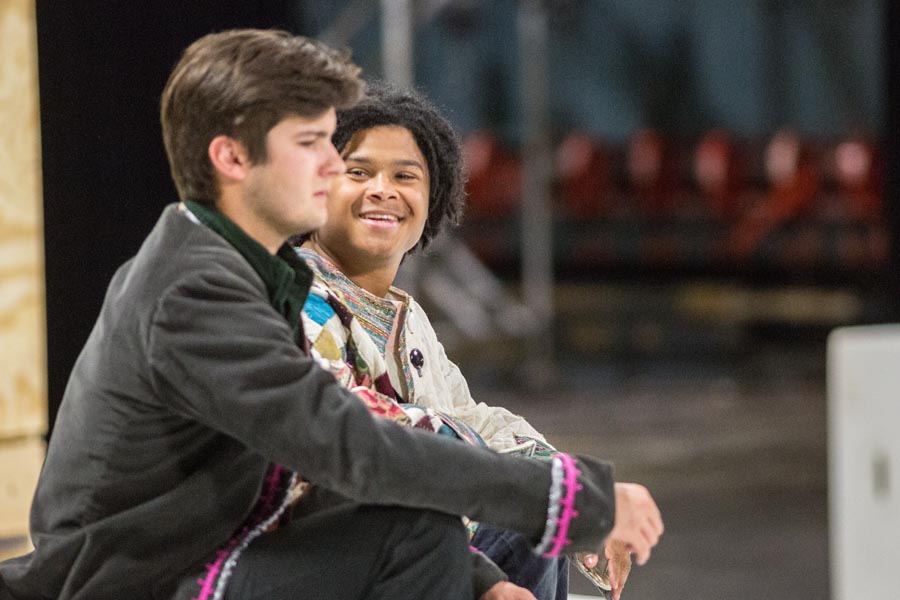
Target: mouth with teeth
{"x": 380, "y": 219}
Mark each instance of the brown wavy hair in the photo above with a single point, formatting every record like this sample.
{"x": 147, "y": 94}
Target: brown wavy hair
{"x": 241, "y": 83}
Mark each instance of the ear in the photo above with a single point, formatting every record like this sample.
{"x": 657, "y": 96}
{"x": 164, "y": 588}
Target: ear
{"x": 229, "y": 157}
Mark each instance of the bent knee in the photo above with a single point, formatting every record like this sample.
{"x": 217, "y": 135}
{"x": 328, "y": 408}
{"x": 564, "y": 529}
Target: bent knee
{"x": 421, "y": 523}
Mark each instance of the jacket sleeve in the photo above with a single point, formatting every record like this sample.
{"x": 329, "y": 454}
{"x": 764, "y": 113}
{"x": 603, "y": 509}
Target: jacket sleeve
{"x": 222, "y": 356}
{"x": 485, "y": 574}
{"x": 495, "y": 424}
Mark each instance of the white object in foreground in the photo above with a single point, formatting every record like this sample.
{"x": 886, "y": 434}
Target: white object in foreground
{"x": 864, "y": 461}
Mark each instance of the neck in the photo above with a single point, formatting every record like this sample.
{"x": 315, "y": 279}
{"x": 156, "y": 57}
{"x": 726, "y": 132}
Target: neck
{"x": 375, "y": 279}
{"x": 235, "y": 208}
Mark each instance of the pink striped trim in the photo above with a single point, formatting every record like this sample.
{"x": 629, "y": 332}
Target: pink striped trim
{"x": 267, "y": 499}
{"x": 570, "y": 481}
{"x": 212, "y": 570}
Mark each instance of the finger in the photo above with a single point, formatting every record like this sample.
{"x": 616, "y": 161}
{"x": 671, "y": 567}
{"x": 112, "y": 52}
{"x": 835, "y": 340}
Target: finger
{"x": 621, "y": 585}
{"x": 656, "y": 535}
{"x": 657, "y": 522}
{"x": 649, "y": 534}
{"x": 622, "y": 569}
{"x": 591, "y": 560}
{"x": 643, "y": 555}
{"x": 644, "y": 538}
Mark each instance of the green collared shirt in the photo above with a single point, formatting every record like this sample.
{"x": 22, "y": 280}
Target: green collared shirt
{"x": 287, "y": 278}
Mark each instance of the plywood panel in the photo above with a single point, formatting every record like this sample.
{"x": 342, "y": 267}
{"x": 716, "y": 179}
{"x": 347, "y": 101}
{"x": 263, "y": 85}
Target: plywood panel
{"x": 20, "y": 465}
{"x": 23, "y": 396}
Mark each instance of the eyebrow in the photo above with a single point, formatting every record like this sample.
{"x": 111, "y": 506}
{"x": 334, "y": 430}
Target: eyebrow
{"x": 317, "y": 133}
{"x": 398, "y": 163}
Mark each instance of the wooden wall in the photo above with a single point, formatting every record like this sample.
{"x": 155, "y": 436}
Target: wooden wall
{"x": 23, "y": 395}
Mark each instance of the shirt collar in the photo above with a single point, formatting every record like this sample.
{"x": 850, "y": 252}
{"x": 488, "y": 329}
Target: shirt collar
{"x": 328, "y": 271}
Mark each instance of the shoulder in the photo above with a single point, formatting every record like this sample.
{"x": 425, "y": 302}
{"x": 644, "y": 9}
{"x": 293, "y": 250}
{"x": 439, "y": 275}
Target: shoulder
{"x": 179, "y": 256}
{"x": 180, "y": 253}
{"x": 185, "y": 271}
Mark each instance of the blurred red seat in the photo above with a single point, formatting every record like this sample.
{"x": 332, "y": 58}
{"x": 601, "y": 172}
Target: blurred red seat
{"x": 495, "y": 176}
{"x": 584, "y": 177}
{"x": 650, "y": 172}
{"x": 857, "y": 172}
{"x": 793, "y": 182}
{"x": 718, "y": 174}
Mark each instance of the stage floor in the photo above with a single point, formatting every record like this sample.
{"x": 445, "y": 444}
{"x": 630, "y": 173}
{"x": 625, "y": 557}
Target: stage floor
{"x": 734, "y": 452}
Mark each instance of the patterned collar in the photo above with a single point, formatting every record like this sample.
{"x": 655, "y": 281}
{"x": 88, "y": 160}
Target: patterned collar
{"x": 377, "y": 315}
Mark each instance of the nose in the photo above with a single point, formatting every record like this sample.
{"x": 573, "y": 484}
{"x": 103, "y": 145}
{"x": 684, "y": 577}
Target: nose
{"x": 334, "y": 164}
{"x": 381, "y": 187}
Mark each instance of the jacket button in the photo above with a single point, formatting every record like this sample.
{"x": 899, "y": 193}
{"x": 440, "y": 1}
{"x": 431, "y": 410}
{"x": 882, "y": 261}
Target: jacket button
{"x": 417, "y": 359}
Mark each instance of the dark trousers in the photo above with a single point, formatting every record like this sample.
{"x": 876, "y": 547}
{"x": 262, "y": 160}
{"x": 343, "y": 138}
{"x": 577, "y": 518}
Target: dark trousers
{"x": 358, "y": 552}
{"x": 547, "y": 578}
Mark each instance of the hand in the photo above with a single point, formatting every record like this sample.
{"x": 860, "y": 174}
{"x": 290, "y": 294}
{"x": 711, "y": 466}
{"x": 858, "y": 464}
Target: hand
{"x": 638, "y": 523}
{"x": 507, "y": 591}
{"x": 618, "y": 567}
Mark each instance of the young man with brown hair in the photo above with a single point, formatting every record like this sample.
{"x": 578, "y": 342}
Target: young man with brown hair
{"x": 193, "y": 420}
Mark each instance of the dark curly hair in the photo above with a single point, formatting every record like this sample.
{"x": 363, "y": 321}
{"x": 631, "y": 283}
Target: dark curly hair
{"x": 386, "y": 104}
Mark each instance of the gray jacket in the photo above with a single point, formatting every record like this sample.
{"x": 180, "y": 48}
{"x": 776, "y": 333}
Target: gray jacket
{"x": 188, "y": 388}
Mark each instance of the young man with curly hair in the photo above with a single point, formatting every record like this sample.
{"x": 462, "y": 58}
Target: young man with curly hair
{"x": 404, "y": 185}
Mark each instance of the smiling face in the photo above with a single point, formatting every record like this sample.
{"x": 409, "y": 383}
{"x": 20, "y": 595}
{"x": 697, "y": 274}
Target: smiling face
{"x": 287, "y": 193}
{"x": 378, "y": 207}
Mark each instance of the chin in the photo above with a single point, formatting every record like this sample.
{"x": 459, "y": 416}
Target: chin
{"x": 314, "y": 223}
{"x": 301, "y": 229}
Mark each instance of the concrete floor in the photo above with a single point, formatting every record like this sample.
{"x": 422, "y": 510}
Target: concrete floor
{"x": 734, "y": 451}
